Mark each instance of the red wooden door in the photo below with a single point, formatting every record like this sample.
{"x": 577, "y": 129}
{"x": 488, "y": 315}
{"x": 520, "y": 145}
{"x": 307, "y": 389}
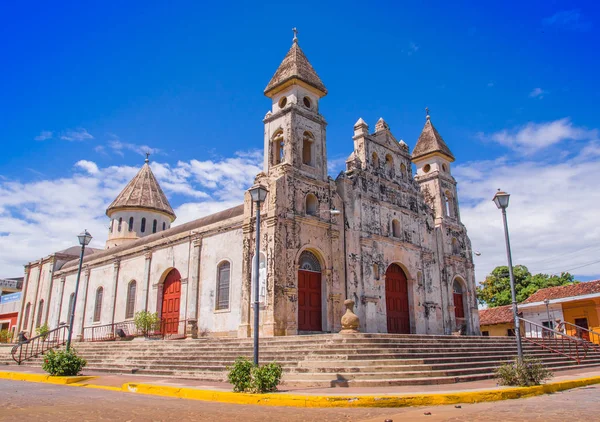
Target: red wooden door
{"x": 396, "y": 300}
{"x": 459, "y": 308}
{"x": 170, "y": 303}
{"x": 309, "y": 301}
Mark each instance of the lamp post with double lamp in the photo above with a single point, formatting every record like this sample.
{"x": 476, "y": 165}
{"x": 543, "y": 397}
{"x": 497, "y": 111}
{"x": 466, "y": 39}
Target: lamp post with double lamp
{"x": 501, "y": 201}
{"x": 84, "y": 239}
{"x": 258, "y": 194}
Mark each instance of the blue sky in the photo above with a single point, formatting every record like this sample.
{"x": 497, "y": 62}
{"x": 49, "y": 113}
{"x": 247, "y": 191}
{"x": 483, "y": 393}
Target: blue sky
{"x": 86, "y": 89}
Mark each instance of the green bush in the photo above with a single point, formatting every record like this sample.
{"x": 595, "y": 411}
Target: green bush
{"x": 63, "y": 363}
{"x": 5, "y": 336}
{"x": 529, "y": 372}
{"x": 246, "y": 377}
{"x": 146, "y": 321}
{"x": 42, "y": 330}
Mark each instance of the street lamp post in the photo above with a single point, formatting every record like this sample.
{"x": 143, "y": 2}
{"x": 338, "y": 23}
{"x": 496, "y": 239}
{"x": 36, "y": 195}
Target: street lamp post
{"x": 501, "y": 201}
{"x": 258, "y": 194}
{"x": 550, "y": 323}
{"x": 84, "y": 239}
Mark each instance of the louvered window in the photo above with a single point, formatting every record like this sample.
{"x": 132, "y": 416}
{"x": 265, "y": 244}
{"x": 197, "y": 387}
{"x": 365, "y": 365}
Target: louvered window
{"x": 26, "y": 319}
{"x": 38, "y": 321}
{"x": 70, "y": 308}
{"x": 130, "y": 309}
{"x": 98, "y": 306}
{"x": 223, "y": 279}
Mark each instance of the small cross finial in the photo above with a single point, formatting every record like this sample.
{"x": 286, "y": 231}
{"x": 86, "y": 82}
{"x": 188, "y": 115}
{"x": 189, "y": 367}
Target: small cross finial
{"x": 147, "y": 157}
{"x": 427, "y": 113}
{"x": 295, "y": 35}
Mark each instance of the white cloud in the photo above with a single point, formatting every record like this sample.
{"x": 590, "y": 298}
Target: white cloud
{"x": 118, "y": 147}
{"x": 532, "y": 137}
{"x": 41, "y": 217}
{"x": 76, "y": 135}
{"x": 44, "y": 134}
{"x": 552, "y": 213}
{"x": 538, "y": 93}
{"x": 568, "y": 19}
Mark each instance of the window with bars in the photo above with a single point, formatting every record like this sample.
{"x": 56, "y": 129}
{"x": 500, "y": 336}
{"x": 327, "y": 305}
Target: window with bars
{"x": 38, "y": 320}
{"x": 26, "y": 318}
{"x": 130, "y": 308}
{"x": 223, "y": 278}
{"x": 98, "y": 306}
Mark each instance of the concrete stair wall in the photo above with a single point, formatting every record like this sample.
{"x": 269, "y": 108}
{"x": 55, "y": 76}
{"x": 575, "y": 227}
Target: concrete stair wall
{"x": 323, "y": 359}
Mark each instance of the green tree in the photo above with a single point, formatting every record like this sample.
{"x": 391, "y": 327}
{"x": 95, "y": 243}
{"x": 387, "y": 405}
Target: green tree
{"x": 495, "y": 289}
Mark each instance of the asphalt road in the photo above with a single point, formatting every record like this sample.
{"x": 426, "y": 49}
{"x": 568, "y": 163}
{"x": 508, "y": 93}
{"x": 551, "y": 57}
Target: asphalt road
{"x": 24, "y": 401}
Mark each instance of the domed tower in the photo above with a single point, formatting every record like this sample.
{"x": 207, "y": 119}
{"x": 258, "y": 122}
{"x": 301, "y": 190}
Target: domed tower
{"x": 139, "y": 210}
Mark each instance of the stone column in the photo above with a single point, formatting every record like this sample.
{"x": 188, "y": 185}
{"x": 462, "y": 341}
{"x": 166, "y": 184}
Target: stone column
{"x": 146, "y": 283}
{"x": 35, "y": 305}
{"x": 194, "y": 288}
{"x": 50, "y": 285}
{"x": 23, "y": 299}
{"x": 116, "y": 267}
{"x": 82, "y": 302}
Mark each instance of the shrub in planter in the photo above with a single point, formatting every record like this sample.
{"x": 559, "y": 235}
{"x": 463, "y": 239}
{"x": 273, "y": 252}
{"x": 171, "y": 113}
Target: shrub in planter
{"x": 5, "y": 336}
{"x": 527, "y": 373}
{"x": 146, "y": 322}
{"x": 63, "y": 363}
{"x": 246, "y": 377}
{"x": 42, "y": 330}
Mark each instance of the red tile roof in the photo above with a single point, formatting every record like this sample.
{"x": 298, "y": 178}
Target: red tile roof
{"x": 579, "y": 289}
{"x": 497, "y": 315}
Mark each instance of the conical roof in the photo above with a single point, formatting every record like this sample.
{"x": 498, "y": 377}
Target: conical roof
{"x": 295, "y": 65}
{"x": 143, "y": 191}
{"x": 430, "y": 141}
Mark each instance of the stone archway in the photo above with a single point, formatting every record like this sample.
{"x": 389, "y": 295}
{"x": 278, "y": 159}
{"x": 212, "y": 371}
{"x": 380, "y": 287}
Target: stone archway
{"x": 396, "y": 300}
{"x": 309, "y": 293}
{"x": 171, "y": 302}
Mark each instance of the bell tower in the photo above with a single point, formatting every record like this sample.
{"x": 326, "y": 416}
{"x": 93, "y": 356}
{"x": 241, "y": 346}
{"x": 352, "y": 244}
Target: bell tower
{"x": 294, "y": 129}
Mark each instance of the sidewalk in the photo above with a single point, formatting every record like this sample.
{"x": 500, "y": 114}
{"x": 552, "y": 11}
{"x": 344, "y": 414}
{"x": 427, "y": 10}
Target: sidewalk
{"x": 467, "y": 392}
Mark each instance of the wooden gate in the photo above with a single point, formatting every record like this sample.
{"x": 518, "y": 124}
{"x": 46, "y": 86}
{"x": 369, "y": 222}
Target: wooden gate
{"x": 309, "y": 301}
{"x": 396, "y": 300}
{"x": 459, "y": 307}
{"x": 171, "y": 303}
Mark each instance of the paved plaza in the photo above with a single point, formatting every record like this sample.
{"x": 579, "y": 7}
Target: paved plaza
{"x": 64, "y": 403}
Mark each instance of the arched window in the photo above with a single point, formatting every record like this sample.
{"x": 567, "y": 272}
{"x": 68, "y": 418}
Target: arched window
{"x": 389, "y": 165}
{"x": 403, "y": 171}
{"x": 143, "y": 227}
{"x": 455, "y": 247}
{"x": 154, "y": 224}
{"x": 26, "y": 316}
{"x": 130, "y": 307}
{"x": 309, "y": 262}
{"x": 448, "y": 204}
{"x": 308, "y": 142}
{"x": 111, "y": 227}
{"x": 375, "y": 161}
{"x": 223, "y": 277}
{"x": 277, "y": 147}
{"x": 38, "y": 320}
{"x": 70, "y": 308}
{"x": 130, "y": 224}
{"x": 98, "y": 305}
{"x": 395, "y": 228}
{"x": 312, "y": 204}
{"x": 120, "y": 223}
{"x": 164, "y": 225}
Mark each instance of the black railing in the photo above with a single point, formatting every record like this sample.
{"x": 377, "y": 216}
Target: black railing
{"x": 553, "y": 340}
{"x": 166, "y": 329}
{"x": 39, "y": 345}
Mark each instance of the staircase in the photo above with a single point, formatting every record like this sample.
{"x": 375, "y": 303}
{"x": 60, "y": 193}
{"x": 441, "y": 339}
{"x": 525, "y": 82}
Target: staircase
{"x": 324, "y": 360}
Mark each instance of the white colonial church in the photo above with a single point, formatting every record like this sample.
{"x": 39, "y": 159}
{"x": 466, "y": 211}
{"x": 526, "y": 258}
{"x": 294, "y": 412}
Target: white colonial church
{"x": 380, "y": 235}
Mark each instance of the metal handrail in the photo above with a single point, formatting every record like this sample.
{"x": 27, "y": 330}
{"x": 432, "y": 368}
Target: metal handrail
{"x": 555, "y": 341}
{"x": 110, "y": 332}
{"x": 39, "y": 345}
{"x": 584, "y": 334}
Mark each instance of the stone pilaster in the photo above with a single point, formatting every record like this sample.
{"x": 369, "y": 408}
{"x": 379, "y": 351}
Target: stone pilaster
{"x": 194, "y": 282}
{"x": 61, "y": 293}
{"x": 82, "y": 302}
{"x": 116, "y": 267}
{"x": 23, "y": 299}
{"x": 146, "y": 282}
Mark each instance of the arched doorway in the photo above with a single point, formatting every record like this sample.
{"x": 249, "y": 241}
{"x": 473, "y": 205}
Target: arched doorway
{"x": 309, "y": 293}
{"x": 171, "y": 303}
{"x": 396, "y": 300}
{"x": 459, "y": 303}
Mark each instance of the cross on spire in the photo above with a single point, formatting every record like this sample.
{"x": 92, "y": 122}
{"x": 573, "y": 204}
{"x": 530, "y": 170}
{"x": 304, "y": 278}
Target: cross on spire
{"x": 147, "y": 157}
{"x": 427, "y": 113}
{"x": 295, "y": 35}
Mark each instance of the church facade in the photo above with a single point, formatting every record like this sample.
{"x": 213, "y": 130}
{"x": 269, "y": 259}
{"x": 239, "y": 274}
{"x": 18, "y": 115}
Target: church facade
{"x": 390, "y": 240}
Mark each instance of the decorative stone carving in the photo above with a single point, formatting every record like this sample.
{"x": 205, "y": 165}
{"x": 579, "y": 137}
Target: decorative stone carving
{"x": 350, "y": 321}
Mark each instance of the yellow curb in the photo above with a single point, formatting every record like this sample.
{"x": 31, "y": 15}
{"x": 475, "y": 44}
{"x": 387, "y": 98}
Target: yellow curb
{"x": 401, "y": 400}
{"x": 23, "y": 376}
